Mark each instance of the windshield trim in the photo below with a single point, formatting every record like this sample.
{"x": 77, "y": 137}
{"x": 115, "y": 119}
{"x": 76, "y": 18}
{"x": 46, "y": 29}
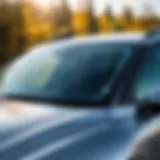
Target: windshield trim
{"x": 50, "y": 100}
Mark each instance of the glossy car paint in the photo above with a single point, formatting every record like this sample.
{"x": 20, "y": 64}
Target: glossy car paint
{"x": 67, "y": 132}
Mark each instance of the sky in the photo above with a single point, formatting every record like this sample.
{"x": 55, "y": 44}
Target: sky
{"x": 136, "y": 5}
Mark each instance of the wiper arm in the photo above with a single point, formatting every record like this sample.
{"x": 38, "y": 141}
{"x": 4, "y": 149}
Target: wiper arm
{"x": 51, "y": 100}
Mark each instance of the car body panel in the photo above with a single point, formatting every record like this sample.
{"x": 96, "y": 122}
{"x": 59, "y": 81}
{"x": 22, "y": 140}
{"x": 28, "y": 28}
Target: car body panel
{"x": 120, "y": 38}
{"x": 69, "y": 132}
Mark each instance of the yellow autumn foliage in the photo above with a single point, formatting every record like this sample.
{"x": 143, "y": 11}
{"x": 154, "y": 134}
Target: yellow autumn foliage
{"x": 39, "y": 25}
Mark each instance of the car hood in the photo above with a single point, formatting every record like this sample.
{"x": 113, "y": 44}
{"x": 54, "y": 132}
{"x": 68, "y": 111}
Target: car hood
{"x": 38, "y": 131}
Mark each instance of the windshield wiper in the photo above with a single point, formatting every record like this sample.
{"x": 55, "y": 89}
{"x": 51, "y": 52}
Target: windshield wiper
{"x": 51, "y": 100}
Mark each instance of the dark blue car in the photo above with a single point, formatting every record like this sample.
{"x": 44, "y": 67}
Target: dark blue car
{"x": 80, "y": 99}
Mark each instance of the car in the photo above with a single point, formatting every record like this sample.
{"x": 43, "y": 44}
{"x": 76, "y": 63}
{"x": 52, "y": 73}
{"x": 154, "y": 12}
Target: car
{"x": 81, "y": 98}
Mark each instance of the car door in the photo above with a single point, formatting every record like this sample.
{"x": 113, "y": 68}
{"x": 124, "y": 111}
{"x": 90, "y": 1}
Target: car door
{"x": 146, "y": 85}
{"x": 148, "y": 77}
{"x": 124, "y": 84}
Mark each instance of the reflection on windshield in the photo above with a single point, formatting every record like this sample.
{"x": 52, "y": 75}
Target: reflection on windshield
{"x": 85, "y": 74}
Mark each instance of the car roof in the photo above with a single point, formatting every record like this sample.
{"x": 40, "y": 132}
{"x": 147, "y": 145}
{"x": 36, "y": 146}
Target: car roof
{"x": 112, "y": 37}
{"x": 119, "y": 38}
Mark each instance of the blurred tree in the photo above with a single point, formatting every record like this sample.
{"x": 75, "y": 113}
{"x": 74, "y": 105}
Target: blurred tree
{"x": 148, "y": 9}
{"x": 80, "y": 19}
{"x": 112, "y": 24}
{"x": 18, "y": 30}
{"x": 10, "y": 30}
{"x": 3, "y": 31}
{"x": 23, "y": 24}
{"x": 109, "y": 14}
{"x": 151, "y": 19}
{"x": 128, "y": 17}
{"x": 145, "y": 18}
{"x": 119, "y": 28}
{"x": 92, "y": 19}
{"x": 62, "y": 18}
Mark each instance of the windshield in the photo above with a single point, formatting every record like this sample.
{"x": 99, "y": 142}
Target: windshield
{"x": 71, "y": 74}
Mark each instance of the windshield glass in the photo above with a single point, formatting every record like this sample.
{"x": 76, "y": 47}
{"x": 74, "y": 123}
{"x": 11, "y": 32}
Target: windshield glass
{"x": 75, "y": 74}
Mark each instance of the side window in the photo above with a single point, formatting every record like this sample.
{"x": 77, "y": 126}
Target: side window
{"x": 148, "y": 79}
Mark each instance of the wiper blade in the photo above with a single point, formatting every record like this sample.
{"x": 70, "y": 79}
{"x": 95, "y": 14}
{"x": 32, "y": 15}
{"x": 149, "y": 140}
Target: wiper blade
{"x": 52, "y": 100}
